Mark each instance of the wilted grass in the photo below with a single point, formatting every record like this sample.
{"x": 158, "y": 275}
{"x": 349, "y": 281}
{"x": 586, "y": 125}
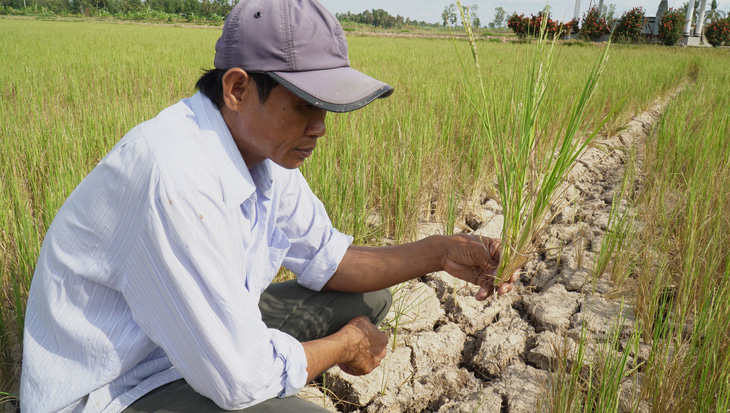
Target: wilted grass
{"x": 70, "y": 90}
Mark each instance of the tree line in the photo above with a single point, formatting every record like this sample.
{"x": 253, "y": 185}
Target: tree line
{"x": 204, "y": 9}
{"x": 217, "y": 10}
{"x": 381, "y": 18}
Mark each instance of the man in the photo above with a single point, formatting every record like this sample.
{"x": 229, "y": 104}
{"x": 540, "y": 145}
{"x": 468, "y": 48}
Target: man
{"x": 152, "y": 289}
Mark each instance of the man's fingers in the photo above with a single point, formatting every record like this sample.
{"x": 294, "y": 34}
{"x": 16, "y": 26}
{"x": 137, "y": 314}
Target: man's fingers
{"x": 347, "y": 369}
{"x": 504, "y": 288}
{"x": 484, "y": 292}
{"x": 487, "y": 287}
{"x": 370, "y": 348}
{"x": 495, "y": 250}
{"x": 382, "y": 354}
{"x": 491, "y": 261}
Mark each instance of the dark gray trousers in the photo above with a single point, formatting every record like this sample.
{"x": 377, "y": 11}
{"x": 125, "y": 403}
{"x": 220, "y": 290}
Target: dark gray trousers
{"x": 295, "y": 310}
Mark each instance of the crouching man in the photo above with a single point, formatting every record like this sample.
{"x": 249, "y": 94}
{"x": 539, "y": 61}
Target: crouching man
{"x": 152, "y": 291}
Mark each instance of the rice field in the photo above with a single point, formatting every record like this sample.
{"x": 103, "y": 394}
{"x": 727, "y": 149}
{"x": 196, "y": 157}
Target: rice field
{"x": 70, "y": 90}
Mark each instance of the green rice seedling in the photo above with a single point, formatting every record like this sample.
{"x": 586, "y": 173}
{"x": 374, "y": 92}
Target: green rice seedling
{"x": 528, "y": 180}
{"x": 405, "y": 309}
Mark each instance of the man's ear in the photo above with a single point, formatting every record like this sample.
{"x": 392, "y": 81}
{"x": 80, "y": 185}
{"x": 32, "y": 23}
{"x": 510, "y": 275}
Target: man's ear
{"x": 236, "y": 83}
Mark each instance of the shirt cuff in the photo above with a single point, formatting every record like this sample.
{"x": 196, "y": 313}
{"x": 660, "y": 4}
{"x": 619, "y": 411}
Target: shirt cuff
{"x": 325, "y": 263}
{"x": 291, "y": 353}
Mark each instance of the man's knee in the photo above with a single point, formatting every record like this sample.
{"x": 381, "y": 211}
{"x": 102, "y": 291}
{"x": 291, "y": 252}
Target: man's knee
{"x": 380, "y": 302}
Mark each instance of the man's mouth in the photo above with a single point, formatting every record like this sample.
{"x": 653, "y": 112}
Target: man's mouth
{"x": 307, "y": 152}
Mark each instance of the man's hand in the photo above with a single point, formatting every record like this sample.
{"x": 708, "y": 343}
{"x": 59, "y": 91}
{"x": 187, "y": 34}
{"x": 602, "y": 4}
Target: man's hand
{"x": 358, "y": 348}
{"x": 475, "y": 259}
{"x": 366, "y": 346}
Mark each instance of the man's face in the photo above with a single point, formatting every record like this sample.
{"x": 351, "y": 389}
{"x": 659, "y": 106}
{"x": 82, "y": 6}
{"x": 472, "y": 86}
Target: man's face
{"x": 285, "y": 129}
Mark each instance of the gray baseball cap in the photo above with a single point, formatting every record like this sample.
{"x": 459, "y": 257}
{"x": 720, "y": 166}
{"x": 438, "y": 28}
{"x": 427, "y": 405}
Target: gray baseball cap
{"x": 302, "y": 46}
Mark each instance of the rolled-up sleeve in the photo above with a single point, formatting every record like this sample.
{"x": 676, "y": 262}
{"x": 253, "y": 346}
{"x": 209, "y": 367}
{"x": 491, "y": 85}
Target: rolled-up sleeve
{"x": 184, "y": 284}
{"x": 316, "y": 246}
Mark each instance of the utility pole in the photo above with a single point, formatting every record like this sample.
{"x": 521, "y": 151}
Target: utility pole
{"x": 576, "y": 14}
{"x": 688, "y": 18}
{"x": 700, "y": 19}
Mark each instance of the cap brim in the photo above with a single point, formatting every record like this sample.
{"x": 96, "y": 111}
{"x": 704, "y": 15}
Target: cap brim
{"x": 341, "y": 89}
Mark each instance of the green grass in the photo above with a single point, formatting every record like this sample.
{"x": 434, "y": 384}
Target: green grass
{"x": 70, "y": 90}
{"x": 678, "y": 262}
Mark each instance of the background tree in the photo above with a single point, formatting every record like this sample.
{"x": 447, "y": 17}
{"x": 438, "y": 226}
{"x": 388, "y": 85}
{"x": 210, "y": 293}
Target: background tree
{"x": 475, "y": 22}
{"x": 714, "y": 13}
{"x": 449, "y": 15}
{"x": 191, "y": 7}
{"x": 375, "y": 17}
{"x": 685, "y": 6}
{"x": 499, "y": 17}
{"x": 609, "y": 13}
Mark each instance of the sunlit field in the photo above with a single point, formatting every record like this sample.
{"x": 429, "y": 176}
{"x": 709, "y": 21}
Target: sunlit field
{"x": 70, "y": 90}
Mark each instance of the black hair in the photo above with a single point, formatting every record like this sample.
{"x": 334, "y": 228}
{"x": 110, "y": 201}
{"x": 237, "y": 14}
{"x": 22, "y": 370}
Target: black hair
{"x": 211, "y": 85}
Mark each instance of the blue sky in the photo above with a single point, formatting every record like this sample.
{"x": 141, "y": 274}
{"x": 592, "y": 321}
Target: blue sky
{"x": 430, "y": 10}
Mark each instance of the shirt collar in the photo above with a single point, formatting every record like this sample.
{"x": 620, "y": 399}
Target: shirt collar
{"x": 240, "y": 182}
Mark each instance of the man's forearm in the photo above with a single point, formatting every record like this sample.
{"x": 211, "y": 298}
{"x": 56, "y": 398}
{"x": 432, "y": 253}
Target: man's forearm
{"x": 324, "y": 353}
{"x": 366, "y": 269}
{"x": 358, "y": 348}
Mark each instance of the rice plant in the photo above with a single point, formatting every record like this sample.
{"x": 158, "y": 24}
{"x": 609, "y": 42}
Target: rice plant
{"x": 529, "y": 177}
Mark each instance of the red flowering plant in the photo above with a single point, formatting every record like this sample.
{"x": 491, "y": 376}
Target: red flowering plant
{"x": 524, "y": 26}
{"x": 519, "y": 24}
{"x": 629, "y": 29}
{"x": 671, "y": 26}
{"x": 594, "y": 24}
{"x": 552, "y": 27}
{"x": 572, "y": 27}
{"x": 717, "y": 33}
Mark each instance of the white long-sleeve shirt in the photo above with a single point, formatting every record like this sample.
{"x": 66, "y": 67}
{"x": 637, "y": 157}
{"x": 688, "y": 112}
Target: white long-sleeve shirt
{"x": 153, "y": 268}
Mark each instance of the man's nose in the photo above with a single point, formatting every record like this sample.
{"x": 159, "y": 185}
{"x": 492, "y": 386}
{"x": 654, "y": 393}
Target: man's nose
{"x": 316, "y": 127}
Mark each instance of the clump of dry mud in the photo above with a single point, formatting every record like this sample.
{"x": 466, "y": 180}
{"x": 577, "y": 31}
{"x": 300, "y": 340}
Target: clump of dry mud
{"x": 454, "y": 354}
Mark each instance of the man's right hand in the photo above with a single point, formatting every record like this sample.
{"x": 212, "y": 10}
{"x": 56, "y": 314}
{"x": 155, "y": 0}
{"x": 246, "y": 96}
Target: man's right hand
{"x": 366, "y": 346}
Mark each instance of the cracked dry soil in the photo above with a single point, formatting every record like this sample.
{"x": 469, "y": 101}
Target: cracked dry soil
{"x": 454, "y": 354}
